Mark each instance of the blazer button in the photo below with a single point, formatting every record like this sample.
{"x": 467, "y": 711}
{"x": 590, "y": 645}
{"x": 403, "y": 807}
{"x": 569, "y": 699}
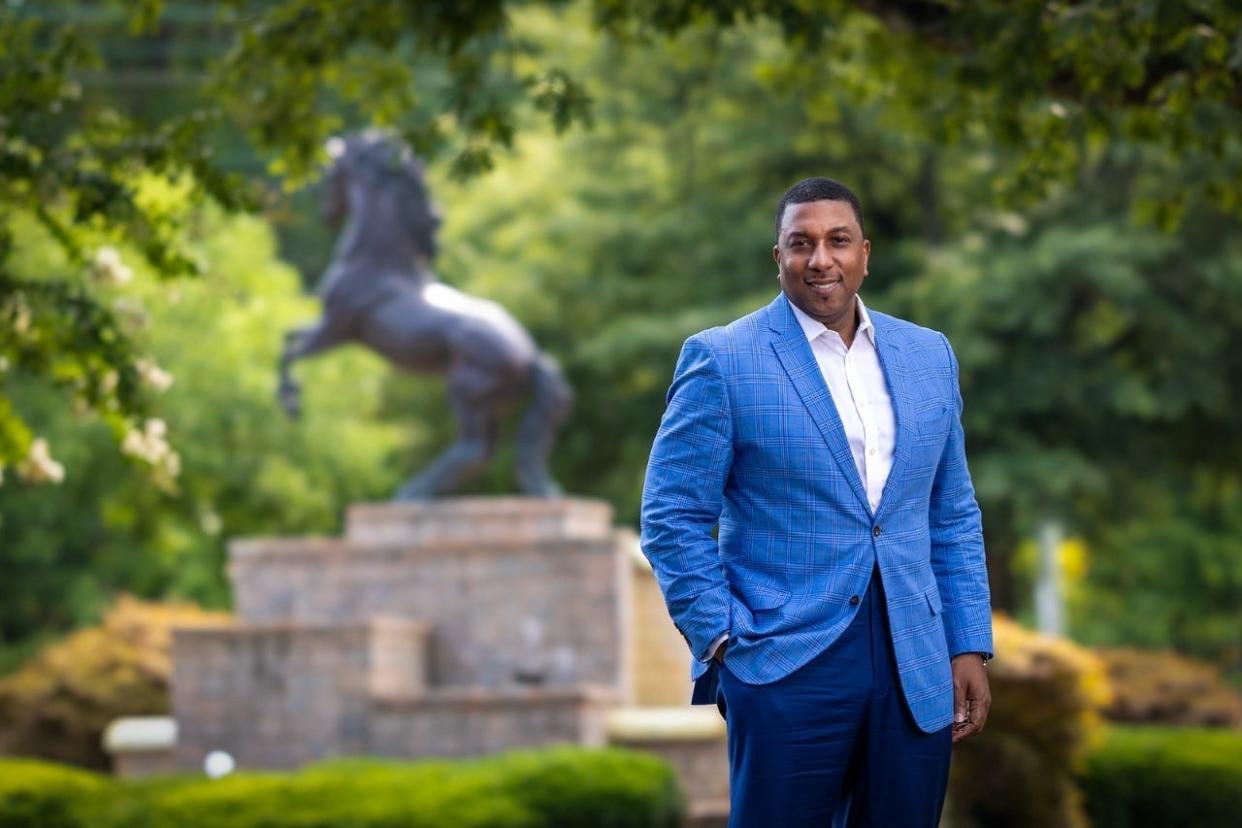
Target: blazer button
{"x": 855, "y": 600}
{"x": 877, "y": 531}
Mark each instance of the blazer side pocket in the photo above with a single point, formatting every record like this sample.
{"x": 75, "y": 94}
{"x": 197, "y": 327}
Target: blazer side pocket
{"x": 765, "y": 598}
{"x": 757, "y": 606}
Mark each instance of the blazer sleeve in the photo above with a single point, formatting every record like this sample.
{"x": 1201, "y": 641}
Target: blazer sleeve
{"x": 682, "y": 497}
{"x": 957, "y": 555}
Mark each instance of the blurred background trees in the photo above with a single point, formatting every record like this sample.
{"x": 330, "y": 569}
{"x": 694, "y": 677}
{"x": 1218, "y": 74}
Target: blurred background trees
{"x": 1055, "y": 186}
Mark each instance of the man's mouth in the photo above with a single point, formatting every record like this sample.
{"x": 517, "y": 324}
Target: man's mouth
{"x": 823, "y": 287}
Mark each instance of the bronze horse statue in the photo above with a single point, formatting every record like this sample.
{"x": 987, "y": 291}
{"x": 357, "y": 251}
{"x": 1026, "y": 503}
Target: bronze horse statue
{"x": 380, "y": 292}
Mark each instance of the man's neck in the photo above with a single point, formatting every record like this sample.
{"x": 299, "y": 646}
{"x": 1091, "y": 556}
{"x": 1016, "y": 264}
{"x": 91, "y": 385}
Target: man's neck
{"x": 848, "y": 326}
{"x": 846, "y": 329}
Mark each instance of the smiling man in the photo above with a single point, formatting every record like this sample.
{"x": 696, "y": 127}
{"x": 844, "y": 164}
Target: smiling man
{"x": 840, "y": 616}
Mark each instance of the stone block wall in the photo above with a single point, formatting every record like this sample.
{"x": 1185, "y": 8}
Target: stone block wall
{"x": 510, "y": 596}
{"x": 279, "y": 696}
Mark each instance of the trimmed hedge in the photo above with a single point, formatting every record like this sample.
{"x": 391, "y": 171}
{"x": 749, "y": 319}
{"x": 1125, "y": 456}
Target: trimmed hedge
{"x": 561, "y": 787}
{"x": 33, "y": 792}
{"x": 1158, "y": 777}
{"x": 571, "y": 788}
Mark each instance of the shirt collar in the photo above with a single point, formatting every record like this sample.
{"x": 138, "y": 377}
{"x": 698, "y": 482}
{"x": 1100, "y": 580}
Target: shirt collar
{"x": 813, "y": 327}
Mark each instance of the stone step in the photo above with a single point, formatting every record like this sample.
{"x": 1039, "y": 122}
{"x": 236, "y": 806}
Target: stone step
{"x": 473, "y": 721}
{"x": 479, "y": 521}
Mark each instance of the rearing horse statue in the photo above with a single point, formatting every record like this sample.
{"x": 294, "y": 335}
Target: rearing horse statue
{"x": 380, "y": 292}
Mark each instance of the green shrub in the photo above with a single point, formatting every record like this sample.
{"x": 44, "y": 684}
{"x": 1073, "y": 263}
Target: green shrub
{"x": 570, "y": 787}
{"x": 1165, "y": 778}
{"x": 563, "y": 787}
{"x": 34, "y": 793}
{"x": 359, "y": 796}
{"x": 557, "y": 788}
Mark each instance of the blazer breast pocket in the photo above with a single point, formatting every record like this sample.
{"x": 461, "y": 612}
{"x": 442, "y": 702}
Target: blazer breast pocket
{"x": 931, "y": 425}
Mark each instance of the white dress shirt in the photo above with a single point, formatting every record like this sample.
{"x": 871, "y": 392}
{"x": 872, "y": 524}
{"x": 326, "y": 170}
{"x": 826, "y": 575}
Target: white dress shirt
{"x": 856, "y": 381}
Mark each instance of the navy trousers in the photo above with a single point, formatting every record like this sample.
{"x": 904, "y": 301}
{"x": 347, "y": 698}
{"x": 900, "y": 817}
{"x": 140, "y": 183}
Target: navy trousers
{"x": 833, "y": 744}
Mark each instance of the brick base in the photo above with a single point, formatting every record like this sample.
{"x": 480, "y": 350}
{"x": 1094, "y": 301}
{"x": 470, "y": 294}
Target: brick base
{"x": 455, "y": 628}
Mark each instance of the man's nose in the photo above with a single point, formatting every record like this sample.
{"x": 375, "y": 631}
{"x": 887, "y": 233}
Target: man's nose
{"x": 821, "y": 258}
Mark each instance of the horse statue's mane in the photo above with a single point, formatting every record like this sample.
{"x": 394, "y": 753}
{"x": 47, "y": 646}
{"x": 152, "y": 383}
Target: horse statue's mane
{"x": 379, "y": 291}
{"x": 384, "y": 167}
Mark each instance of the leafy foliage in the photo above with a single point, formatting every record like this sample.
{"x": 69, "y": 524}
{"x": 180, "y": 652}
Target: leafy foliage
{"x": 75, "y": 168}
{"x": 1167, "y": 568}
{"x": 1055, "y": 82}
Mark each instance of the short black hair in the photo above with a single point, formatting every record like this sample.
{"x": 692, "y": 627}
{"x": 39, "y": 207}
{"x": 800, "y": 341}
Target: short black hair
{"x": 817, "y": 189}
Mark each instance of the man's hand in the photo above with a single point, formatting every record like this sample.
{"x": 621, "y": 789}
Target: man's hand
{"x": 971, "y": 696}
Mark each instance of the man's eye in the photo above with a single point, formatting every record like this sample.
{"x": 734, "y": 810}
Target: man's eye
{"x": 841, "y": 240}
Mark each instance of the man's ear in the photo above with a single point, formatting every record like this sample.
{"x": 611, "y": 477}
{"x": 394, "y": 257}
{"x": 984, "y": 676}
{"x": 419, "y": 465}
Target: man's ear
{"x": 866, "y": 255}
{"x": 776, "y": 253}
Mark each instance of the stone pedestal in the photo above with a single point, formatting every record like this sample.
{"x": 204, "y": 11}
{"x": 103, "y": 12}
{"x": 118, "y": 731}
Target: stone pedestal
{"x": 454, "y": 628}
{"x": 451, "y": 628}
{"x": 515, "y": 590}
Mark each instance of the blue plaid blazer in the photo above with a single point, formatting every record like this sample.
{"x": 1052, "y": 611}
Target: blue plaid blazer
{"x": 751, "y": 443}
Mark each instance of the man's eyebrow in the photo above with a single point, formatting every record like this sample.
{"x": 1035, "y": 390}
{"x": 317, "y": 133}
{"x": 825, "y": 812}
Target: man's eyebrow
{"x": 843, "y": 228}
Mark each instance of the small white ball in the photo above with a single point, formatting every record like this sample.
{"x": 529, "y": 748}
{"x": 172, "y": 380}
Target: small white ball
{"x": 218, "y": 764}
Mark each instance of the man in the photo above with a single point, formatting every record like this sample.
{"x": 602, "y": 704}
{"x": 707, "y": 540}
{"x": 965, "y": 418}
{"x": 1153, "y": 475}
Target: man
{"x": 840, "y": 618}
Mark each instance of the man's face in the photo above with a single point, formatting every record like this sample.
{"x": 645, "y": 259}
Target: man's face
{"x": 822, "y": 257}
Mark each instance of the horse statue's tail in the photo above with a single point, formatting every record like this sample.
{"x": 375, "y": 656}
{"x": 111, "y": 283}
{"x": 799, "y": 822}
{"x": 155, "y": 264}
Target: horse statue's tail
{"x": 551, "y": 397}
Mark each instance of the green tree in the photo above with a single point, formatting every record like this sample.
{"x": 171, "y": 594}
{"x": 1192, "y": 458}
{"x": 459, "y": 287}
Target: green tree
{"x": 1055, "y": 82}
{"x": 1098, "y": 361}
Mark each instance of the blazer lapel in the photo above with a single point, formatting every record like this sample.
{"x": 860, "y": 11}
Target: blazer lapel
{"x": 794, "y": 353}
{"x": 893, "y": 363}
